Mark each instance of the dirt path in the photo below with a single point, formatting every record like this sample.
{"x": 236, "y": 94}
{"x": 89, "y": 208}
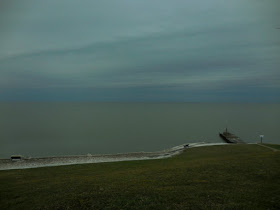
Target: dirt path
{"x": 274, "y": 150}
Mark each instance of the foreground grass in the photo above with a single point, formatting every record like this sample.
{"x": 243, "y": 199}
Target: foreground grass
{"x": 217, "y": 177}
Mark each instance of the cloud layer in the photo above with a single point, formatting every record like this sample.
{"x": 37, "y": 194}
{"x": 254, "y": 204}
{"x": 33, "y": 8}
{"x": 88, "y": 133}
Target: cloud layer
{"x": 140, "y": 51}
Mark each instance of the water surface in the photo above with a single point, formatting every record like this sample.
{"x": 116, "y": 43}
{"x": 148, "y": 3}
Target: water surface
{"x": 48, "y": 129}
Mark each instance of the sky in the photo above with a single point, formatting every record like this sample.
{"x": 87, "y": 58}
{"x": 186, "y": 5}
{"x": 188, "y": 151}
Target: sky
{"x": 148, "y": 50}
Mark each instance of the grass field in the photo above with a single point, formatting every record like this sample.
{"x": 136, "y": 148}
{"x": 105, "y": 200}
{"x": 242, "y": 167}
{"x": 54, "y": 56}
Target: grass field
{"x": 215, "y": 177}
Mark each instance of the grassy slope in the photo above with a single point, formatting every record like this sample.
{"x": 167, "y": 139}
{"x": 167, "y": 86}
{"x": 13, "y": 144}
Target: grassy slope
{"x": 217, "y": 177}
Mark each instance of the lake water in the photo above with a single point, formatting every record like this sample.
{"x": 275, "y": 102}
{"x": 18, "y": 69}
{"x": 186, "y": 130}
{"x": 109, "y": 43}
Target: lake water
{"x": 49, "y": 129}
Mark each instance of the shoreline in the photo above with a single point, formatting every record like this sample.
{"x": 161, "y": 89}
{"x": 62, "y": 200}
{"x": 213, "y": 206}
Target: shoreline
{"x": 7, "y": 164}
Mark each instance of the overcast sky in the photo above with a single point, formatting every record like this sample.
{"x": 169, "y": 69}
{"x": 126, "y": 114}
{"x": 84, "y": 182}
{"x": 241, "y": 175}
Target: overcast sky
{"x": 148, "y": 50}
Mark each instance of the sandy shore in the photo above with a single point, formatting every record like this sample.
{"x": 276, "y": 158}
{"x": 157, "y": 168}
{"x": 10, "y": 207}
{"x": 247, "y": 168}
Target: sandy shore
{"x": 7, "y": 164}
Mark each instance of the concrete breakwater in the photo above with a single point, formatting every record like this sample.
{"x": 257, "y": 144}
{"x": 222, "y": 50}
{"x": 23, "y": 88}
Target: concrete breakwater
{"x": 7, "y": 164}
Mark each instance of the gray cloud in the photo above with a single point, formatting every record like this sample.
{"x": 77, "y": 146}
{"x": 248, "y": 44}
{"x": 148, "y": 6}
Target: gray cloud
{"x": 121, "y": 49}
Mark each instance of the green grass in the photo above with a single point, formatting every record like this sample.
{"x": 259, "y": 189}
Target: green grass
{"x": 216, "y": 177}
{"x": 275, "y": 146}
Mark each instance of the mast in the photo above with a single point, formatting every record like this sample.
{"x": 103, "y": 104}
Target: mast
{"x": 227, "y": 126}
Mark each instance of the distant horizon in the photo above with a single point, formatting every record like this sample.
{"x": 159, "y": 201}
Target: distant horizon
{"x": 134, "y": 95}
{"x": 143, "y": 102}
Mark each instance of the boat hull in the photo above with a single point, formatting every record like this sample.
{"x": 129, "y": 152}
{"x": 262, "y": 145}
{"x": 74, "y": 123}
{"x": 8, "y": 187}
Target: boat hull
{"x": 234, "y": 140}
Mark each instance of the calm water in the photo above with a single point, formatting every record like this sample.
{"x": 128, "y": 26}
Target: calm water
{"x": 46, "y": 129}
